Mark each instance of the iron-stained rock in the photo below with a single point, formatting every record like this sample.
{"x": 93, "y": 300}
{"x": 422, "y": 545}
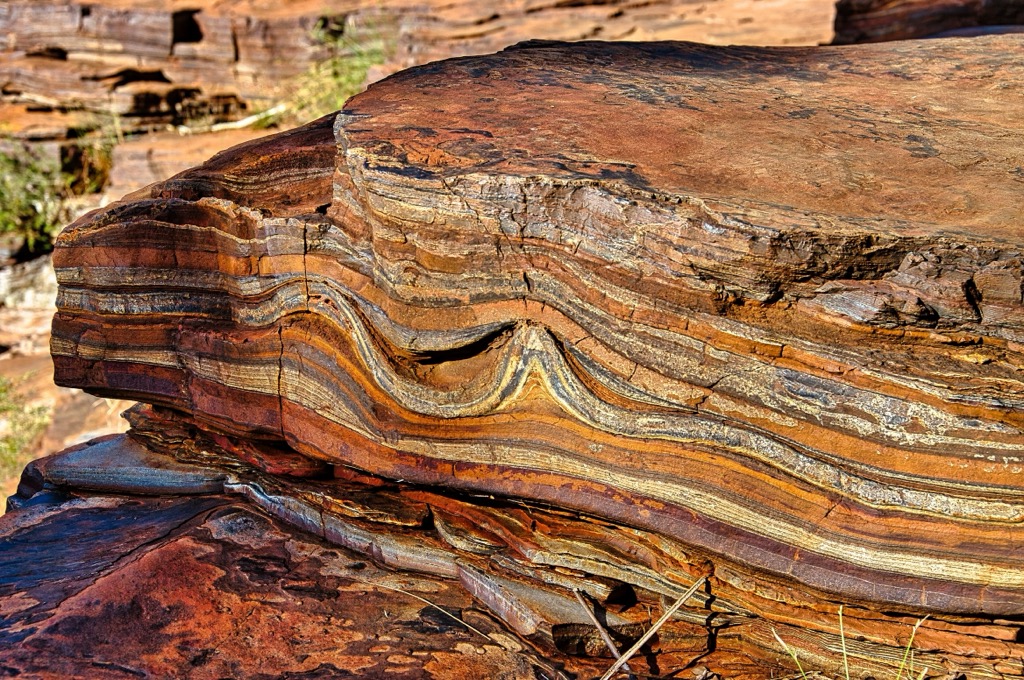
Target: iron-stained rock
{"x": 762, "y": 303}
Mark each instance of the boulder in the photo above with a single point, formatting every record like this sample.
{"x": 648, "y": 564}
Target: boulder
{"x": 760, "y": 306}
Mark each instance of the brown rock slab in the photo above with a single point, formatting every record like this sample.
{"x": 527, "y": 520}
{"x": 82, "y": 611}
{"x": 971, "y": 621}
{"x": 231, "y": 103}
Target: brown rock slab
{"x": 137, "y": 163}
{"x": 113, "y": 462}
{"x": 122, "y": 72}
{"x": 762, "y": 303}
{"x": 154, "y": 62}
{"x": 207, "y": 588}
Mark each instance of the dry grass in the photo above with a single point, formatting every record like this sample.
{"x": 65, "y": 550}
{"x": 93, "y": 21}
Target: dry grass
{"x": 32, "y": 196}
{"x": 327, "y": 85}
{"x": 904, "y": 672}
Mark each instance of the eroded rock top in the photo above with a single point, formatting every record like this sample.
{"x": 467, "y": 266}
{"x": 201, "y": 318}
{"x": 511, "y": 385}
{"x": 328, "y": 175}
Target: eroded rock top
{"x": 912, "y": 139}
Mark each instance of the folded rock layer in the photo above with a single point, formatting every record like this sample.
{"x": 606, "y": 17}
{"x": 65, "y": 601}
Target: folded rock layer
{"x": 766, "y": 302}
{"x": 519, "y": 562}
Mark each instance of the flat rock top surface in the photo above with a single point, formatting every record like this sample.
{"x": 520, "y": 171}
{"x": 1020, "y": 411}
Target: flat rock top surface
{"x": 921, "y": 137}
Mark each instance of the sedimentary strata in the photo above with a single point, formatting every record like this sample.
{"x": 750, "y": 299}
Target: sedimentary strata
{"x": 154, "y": 61}
{"x": 198, "y": 583}
{"x": 763, "y": 303}
{"x": 223, "y": 568}
{"x": 76, "y": 77}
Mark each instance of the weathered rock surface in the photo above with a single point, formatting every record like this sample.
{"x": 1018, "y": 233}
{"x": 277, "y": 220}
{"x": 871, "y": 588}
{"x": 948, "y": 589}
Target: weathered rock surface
{"x": 206, "y": 586}
{"x": 221, "y": 569}
{"x": 860, "y": 21}
{"x": 765, "y": 304}
{"x": 162, "y": 60}
{"x": 139, "y": 162}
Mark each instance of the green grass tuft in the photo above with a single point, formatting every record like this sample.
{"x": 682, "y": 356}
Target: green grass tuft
{"x": 327, "y": 85}
{"x": 20, "y": 427}
{"x": 904, "y": 672}
{"x": 32, "y": 197}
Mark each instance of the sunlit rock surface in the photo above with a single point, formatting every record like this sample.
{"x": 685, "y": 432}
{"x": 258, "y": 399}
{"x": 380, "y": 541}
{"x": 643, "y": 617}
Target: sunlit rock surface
{"x": 153, "y": 61}
{"x": 188, "y": 559}
{"x": 196, "y": 583}
{"x": 763, "y": 305}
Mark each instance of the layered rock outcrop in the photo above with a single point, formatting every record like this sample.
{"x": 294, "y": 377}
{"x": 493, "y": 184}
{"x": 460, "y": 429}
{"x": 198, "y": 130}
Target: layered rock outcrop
{"x": 206, "y": 586}
{"x": 762, "y": 307}
{"x": 163, "y": 60}
{"x": 84, "y": 75}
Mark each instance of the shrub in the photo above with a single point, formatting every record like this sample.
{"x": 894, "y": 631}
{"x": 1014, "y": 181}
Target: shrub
{"x": 32, "y": 196}
{"x": 20, "y": 427}
{"x": 327, "y": 85}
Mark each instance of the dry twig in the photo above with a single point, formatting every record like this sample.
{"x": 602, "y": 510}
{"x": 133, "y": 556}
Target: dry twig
{"x": 609, "y": 643}
{"x": 654, "y": 629}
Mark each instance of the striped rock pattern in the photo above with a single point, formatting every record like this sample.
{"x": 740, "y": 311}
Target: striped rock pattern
{"x": 765, "y": 302}
{"x": 520, "y": 564}
{"x": 156, "y": 61}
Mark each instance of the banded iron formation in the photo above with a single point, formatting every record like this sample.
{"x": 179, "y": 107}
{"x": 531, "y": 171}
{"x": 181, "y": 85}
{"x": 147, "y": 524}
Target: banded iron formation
{"x": 764, "y": 303}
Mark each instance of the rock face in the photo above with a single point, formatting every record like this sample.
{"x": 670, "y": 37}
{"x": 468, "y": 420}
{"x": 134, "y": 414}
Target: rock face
{"x": 206, "y": 586}
{"x": 875, "y": 20}
{"x": 161, "y": 60}
{"x": 158, "y": 59}
{"x": 763, "y": 305}
{"x": 223, "y": 569}
{"x": 87, "y": 84}
{"x": 151, "y": 158}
